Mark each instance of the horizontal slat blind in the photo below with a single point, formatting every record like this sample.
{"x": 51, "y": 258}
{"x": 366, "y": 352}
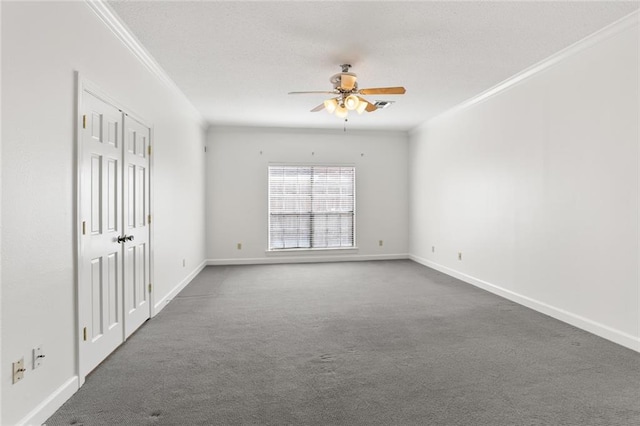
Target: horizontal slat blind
{"x": 311, "y": 207}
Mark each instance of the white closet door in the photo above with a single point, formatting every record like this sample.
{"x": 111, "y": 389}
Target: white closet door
{"x": 100, "y": 297}
{"x": 136, "y": 225}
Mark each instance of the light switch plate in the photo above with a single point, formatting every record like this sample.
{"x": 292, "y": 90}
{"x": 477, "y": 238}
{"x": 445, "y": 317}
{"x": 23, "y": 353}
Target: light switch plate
{"x": 38, "y": 356}
{"x": 18, "y": 370}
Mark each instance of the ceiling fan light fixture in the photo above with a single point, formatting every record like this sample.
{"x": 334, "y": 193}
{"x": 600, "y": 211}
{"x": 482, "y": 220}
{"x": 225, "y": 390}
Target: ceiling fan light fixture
{"x": 347, "y": 81}
{"x": 341, "y": 111}
{"x": 330, "y": 105}
{"x": 351, "y": 102}
{"x": 346, "y": 95}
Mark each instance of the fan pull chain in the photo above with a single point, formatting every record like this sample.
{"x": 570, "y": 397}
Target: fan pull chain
{"x": 345, "y": 125}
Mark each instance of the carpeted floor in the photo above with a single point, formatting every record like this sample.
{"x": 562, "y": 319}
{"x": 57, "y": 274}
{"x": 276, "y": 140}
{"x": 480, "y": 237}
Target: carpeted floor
{"x": 363, "y": 343}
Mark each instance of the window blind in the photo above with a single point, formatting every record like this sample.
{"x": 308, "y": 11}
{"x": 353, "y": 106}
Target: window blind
{"x": 311, "y": 207}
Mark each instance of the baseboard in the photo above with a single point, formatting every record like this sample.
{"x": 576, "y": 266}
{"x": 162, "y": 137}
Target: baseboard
{"x": 306, "y": 259}
{"x": 583, "y": 323}
{"x": 178, "y": 288}
{"x": 50, "y": 405}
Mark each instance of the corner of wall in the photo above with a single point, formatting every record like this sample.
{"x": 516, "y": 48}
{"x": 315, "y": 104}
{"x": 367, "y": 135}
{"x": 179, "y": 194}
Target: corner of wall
{"x": 160, "y": 304}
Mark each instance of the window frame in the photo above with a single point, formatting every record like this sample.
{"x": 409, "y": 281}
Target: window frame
{"x": 311, "y": 249}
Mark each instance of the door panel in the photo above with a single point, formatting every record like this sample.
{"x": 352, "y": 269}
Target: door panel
{"x": 136, "y": 207}
{"x": 112, "y": 195}
{"x": 96, "y": 298}
{"x": 113, "y": 274}
{"x": 100, "y": 265}
{"x": 96, "y": 193}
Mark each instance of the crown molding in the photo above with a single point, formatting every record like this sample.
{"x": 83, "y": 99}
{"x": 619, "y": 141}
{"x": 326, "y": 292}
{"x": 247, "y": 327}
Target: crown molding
{"x": 610, "y": 30}
{"x": 124, "y": 34}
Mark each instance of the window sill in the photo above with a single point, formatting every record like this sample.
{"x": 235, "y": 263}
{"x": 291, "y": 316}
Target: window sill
{"x": 311, "y": 251}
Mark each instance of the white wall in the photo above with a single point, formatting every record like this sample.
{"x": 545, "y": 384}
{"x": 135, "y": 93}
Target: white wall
{"x": 537, "y": 186}
{"x": 42, "y": 45}
{"x": 237, "y": 184}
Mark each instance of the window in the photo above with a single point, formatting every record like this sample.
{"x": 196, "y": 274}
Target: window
{"x": 311, "y": 207}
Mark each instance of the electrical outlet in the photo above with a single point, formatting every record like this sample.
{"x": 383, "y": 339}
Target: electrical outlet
{"x": 18, "y": 370}
{"x": 239, "y": 246}
{"x": 380, "y": 243}
{"x": 459, "y": 255}
{"x": 433, "y": 249}
{"x": 38, "y": 356}
{"x": 184, "y": 262}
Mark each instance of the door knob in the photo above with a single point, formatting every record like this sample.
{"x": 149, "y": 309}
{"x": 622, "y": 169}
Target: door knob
{"x": 124, "y": 239}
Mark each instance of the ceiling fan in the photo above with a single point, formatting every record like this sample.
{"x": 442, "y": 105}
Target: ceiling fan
{"x": 346, "y": 91}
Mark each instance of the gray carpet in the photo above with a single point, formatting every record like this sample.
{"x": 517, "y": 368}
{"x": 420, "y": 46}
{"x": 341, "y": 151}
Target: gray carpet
{"x": 363, "y": 343}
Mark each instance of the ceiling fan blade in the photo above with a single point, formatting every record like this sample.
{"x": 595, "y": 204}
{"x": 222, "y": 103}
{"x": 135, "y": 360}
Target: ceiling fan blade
{"x": 370, "y": 107}
{"x": 318, "y": 108}
{"x": 318, "y": 91}
{"x": 383, "y": 91}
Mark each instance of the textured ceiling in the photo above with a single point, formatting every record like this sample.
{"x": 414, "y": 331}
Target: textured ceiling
{"x": 236, "y": 61}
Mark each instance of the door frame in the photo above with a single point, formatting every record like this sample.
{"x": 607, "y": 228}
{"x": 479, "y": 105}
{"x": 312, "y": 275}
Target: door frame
{"x": 82, "y": 85}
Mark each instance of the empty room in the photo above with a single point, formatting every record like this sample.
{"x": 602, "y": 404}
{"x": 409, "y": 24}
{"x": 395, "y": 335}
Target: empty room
{"x": 320, "y": 213}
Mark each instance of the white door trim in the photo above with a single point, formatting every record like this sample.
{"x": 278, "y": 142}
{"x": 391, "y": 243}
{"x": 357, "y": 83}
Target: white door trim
{"x": 82, "y": 85}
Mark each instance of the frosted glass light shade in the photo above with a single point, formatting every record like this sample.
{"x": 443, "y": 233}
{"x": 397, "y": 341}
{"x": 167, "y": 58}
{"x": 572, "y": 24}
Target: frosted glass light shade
{"x": 361, "y": 107}
{"x": 347, "y": 81}
{"x": 330, "y": 105}
{"x": 351, "y": 102}
{"x": 341, "y": 111}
